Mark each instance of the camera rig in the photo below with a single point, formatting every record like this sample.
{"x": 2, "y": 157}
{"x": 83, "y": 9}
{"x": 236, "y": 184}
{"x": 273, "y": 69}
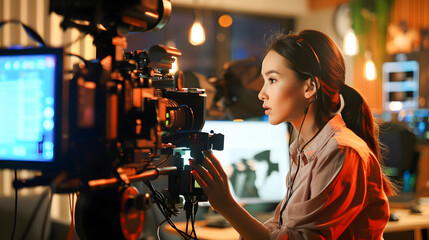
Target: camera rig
{"x": 121, "y": 120}
{"x": 145, "y": 122}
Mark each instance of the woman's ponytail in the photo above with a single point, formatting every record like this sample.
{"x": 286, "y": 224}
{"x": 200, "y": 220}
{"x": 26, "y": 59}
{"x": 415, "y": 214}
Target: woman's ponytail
{"x": 358, "y": 118}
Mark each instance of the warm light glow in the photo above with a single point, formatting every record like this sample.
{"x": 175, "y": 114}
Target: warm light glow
{"x": 395, "y": 106}
{"x": 197, "y": 35}
{"x": 225, "y": 20}
{"x": 101, "y": 27}
{"x": 151, "y": 14}
{"x": 174, "y": 66}
{"x": 370, "y": 72}
{"x": 350, "y": 44}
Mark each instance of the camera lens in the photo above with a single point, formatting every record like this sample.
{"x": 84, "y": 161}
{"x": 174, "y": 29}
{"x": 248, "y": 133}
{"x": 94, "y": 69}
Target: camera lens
{"x": 178, "y": 117}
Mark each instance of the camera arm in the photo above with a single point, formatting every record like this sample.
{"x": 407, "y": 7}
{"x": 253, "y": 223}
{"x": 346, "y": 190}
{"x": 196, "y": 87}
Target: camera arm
{"x": 150, "y": 174}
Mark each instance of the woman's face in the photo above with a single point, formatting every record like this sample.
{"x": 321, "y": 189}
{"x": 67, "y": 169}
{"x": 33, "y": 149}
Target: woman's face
{"x": 283, "y": 92}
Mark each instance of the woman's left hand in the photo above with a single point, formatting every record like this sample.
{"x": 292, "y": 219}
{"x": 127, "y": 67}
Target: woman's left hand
{"x": 214, "y": 181}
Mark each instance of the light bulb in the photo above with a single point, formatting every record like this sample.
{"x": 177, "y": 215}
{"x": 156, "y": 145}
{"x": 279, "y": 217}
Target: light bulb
{"x": 174, "y": 66}
{"x": 350, "y": 44}
{"x": 370, "y": 72}
{"x": 197, "y": 35}
{"x": 395, "y": 106}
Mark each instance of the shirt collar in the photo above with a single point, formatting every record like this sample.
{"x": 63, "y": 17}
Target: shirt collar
{"x": 318, "y": 142}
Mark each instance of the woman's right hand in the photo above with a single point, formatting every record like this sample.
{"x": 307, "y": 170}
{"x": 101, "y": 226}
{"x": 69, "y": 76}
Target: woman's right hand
{"x": 214, "y": 181}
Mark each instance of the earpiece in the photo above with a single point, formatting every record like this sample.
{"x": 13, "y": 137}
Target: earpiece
{"x": 317, "y": 90}
{"x": 308, "y": 105}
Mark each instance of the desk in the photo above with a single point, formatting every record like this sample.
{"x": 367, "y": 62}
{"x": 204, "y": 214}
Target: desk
{"x": 410, "y": 222}
{"x": 407, "y": 222}
{"x": 207, "y": 233}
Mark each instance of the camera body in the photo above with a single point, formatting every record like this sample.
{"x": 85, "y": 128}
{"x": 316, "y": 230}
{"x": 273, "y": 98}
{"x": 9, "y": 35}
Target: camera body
{"x": 119, "y": 118}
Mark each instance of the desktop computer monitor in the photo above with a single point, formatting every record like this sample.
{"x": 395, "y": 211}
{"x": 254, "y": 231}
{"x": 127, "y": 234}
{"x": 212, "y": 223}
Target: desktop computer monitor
{"x": 255, "y": 158}
{"x": 400, "y": 155}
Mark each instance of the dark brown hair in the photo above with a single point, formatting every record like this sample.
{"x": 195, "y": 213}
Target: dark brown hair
{"x": 314, "y": 54}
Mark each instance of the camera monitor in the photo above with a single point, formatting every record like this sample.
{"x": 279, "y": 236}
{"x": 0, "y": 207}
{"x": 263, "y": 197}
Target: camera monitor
{"x": 255, "y": 158}
{"x": 30, "y": 89}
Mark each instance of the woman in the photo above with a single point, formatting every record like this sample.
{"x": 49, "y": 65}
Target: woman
{"x": 335, "y": 186}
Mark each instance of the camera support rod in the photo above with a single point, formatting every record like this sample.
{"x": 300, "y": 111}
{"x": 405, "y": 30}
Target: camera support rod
{"x": 146, "y": 175}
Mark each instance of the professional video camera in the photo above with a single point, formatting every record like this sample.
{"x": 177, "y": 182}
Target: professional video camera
{"x": 113, "y": 123}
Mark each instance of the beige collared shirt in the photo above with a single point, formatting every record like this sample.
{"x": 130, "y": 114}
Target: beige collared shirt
{"x": 338, "y": 191}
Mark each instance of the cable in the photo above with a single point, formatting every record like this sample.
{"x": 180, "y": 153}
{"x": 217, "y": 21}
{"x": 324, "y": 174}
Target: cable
{"x": 162, "y": 161}
{"x": 15, "y": 215}
{"x": 55, "y": 183}
{"x": 71, "y": 206}
{"x": 53, "y": 187}
{"x": 191, "y": 207}
{"x": 75, "y": 41}
{"x": 33, "y": 215}
{"x": 292, "y": 181}
{"x": 157, "y": 229}
{"x": 187, "y": 226}
{"x": 194, "y": 212}
{"x": 165, "y": 210}
{"x": 75, "y": 55}
{"x": 48, "y": 211}
{"x": 189, "y": 210}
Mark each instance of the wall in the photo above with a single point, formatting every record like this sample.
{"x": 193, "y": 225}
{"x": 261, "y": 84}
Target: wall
{"x": 323, "y": 20}
{"x": 270, "y": 7}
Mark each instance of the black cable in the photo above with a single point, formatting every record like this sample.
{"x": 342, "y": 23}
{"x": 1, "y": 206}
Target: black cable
{"x": 74, "y": 41}
{"x": 54, "y": 183}
{"x": 75, "y": 55}
{"x": 159, "y": 197}
{"x": 189, "y": 209}
{"x": 194, "y": 212}
{"x": 162, "y": 161}
{"x": 160, "y": 202}
{"x": 33, "y": 215}
{"x": 292, "y": 181}
{"x": 48, "y": 211}
{"x": 187, "y": 226}
{"x": 15, "y": 215}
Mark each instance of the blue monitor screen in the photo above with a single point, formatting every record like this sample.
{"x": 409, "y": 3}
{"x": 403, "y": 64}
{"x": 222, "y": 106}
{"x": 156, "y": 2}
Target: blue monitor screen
{"x": 28, "y": 107}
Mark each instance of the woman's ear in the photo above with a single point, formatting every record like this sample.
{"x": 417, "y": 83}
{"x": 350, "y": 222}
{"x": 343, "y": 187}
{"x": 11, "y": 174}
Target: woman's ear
{"x": 310, "y": 88}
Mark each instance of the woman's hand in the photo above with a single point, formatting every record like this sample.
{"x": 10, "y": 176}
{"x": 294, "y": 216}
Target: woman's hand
{"x": 214, "y": 181}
